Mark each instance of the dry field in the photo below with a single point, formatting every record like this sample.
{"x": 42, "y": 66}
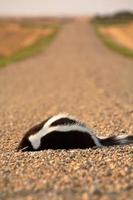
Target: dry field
{"x": 15, "y": 37}
{"x": 121, "y": 34}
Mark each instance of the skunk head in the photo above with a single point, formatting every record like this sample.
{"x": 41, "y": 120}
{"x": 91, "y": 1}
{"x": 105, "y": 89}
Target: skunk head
{"x": 25, "y": 144}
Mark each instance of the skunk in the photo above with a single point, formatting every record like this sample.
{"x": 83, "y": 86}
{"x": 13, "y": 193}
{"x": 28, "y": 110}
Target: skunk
{"x": 65, "y": 132}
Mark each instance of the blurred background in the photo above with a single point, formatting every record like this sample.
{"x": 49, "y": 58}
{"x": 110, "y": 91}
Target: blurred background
{"x": 27, "y": 26}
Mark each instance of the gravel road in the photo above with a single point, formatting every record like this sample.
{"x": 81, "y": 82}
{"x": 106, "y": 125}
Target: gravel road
{"x": 78, "y": 75}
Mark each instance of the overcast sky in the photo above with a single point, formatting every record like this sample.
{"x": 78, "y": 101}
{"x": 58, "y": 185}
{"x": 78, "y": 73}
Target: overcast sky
{"x": 62, "y": 7}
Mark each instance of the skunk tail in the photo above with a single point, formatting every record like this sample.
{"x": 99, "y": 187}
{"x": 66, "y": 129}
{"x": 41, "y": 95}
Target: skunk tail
{"x": 117, "y": 140}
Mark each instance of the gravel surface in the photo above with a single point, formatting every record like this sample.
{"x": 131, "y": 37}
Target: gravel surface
{"x": 78, "y": 75}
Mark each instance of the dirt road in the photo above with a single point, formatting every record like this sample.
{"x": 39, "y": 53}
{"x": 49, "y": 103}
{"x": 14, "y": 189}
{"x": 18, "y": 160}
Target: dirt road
{"x": 78, "y": 75}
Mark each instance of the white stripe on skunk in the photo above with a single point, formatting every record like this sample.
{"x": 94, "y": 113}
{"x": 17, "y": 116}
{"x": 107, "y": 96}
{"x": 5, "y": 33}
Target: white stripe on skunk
{"x": 65, "y": 132}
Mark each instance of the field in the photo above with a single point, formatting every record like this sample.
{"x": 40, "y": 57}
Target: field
{"x": 121, "y": 34}
{"x": 22, "y": 39}
{"x": 116, "y": 32}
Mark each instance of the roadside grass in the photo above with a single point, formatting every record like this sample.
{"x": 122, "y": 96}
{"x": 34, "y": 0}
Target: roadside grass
{"x": 39, "y": 46}
{"x": 110, "y": 43}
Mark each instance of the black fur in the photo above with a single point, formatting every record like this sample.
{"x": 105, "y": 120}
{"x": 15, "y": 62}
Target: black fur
{"x": 67, "y": 140}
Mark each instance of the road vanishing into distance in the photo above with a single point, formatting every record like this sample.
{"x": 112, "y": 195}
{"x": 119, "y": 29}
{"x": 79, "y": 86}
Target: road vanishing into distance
{"x": 77, "y": 74}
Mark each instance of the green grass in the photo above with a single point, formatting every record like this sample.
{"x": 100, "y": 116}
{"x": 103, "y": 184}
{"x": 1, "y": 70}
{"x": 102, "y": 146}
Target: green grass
{"x": 113, "y": 45}
{"x": 110, "y": 43}
{"x": 38, "y": 47}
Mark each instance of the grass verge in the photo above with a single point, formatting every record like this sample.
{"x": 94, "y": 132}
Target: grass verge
{"x": 110, "y": 43}
{"x": 38, "y": 47}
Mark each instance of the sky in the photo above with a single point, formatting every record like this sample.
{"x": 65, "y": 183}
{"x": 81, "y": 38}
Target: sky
{"x": 62, "y": 7}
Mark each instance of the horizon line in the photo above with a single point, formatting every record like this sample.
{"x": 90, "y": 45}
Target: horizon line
{"x": 64, "y": 15}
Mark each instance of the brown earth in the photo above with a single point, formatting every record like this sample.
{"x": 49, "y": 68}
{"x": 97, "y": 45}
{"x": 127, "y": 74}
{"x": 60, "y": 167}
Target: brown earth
{"x": 15, "y": 37}
{"x": 121, "y": 34}
{"x": 77, "y": 74}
